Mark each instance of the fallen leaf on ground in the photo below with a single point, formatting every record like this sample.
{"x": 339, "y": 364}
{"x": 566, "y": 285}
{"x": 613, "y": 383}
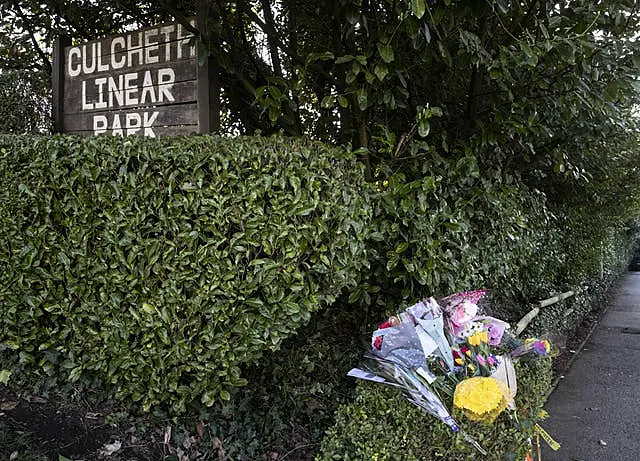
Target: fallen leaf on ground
{"x": 5, "y": 406}
{"x": 110, "y": 448}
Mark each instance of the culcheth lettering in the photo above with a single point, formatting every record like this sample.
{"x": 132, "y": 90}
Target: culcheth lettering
{"x": 162, "y": 44}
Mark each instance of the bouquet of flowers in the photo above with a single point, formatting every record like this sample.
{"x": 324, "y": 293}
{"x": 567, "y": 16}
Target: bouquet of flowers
{"x": 449, "y": 347}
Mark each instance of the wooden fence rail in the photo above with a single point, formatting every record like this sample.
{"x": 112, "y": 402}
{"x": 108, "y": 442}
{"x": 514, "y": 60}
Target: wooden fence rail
{"x": 526, "y": 320}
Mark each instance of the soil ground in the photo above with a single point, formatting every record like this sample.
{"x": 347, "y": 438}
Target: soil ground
{"x": 38, "y": 428}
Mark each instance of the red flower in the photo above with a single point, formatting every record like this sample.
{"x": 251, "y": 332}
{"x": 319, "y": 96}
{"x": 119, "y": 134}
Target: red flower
{"x": 377, "y": 343}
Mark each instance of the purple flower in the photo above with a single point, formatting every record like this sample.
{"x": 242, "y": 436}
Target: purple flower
{"x": 541, "y": 347}
{"x": 495, "y": 329}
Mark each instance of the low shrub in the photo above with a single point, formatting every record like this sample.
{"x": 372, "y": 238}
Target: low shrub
{"x": 157, "y": 268}
{"x": 382, "y": 425}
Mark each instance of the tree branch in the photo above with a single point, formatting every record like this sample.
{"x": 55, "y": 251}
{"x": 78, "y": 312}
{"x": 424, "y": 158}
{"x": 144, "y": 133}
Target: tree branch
{"x": 293, "y": 56}
{"x": 180, "y": 17}
{"x": 36, "y": 46}
{"x": 273, "y": 47}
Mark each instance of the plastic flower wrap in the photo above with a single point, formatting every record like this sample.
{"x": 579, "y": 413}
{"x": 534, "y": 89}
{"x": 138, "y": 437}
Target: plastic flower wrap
{"x": 540, "y": 347}
{"x": 400, "y": 348}
{"x": 481, "y": 399}
{"x": 430, "y": 329}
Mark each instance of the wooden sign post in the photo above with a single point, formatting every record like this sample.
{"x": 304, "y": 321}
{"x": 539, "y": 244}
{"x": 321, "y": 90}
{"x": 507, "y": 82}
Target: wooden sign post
{"x": 144, "y": 83}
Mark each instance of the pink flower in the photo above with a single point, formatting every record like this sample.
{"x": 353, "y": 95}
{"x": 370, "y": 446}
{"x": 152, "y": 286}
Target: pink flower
{"x": 463, "y": 313}
{"x": 481, "y": 360}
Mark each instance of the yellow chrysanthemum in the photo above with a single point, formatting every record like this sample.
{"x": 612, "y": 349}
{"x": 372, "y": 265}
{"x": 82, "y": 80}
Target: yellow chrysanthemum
{"x": 481, "y": 399}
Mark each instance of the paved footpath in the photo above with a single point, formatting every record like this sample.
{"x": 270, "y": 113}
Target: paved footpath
{"x": 595, "y": 410}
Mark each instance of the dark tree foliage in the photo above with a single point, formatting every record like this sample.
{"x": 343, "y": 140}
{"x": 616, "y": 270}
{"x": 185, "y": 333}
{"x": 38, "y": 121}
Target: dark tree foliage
{"x": 530, "y": 87}
{"x": 23, "y": 107}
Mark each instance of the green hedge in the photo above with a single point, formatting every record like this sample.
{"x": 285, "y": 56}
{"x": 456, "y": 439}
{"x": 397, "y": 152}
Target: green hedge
{"x": 157, "y": 268}
{"x": 457, "y": 228}
{"x": 382, "y": 425}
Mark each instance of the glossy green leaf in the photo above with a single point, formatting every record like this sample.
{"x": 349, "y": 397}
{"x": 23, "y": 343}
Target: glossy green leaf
{"x": 418, "y": 8}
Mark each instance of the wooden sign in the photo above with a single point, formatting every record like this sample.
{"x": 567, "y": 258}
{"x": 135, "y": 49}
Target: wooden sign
{"x": 144, "y": 83}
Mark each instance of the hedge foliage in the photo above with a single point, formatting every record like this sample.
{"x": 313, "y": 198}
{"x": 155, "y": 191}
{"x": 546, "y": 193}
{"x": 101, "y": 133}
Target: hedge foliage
{"x": 158, "y": 268}
{"x": 382, "y": 425}
{"x": 162, "y": 270}
{"x": 456, "y": 228}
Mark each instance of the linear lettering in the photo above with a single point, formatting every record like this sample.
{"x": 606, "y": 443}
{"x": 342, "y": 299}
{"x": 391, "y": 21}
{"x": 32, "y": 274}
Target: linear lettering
{"x": 129, "y": 89}
{"x": 85, "y": 104}
{"x": 116, "y": 90}
{"x": 100, "y": 83}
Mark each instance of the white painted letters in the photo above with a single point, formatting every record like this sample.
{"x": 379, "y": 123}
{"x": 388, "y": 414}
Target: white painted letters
{"x": 85, "y": 105}
{"x": 102, "y": 67}
{"x": 147, "y": 89}
{"x": 86, "y": 68}
{"x": 99, "y": 124}
{"x": 115, "y": 62}
{"x": 133, "y": 123}
{"x": 130, "y": 89}
{"x": 116, "y": 91}
{"x": 100, "y": 83}
{"x": 71, "y": 69}
{"x": 148, "y": 124}
{"x": 166, "y": 77}
{"x": 150, "y": 47}
{"x": 116, "y": 127}
{"x": 129, "y": 84}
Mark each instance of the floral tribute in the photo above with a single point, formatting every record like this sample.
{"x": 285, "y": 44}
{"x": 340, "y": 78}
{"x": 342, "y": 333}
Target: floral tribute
{"x": 450, "y": 348}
